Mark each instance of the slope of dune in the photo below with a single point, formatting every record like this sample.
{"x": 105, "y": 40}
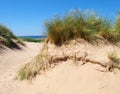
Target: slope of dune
{"x": 67, "y": 77}
{"x": 12, "y": 59}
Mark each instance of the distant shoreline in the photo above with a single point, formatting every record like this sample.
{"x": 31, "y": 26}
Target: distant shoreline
{"x": 33, "y": 37}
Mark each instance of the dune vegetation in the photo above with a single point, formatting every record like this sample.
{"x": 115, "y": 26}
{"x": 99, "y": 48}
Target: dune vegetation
{"x": 7, "y": 38}
{"x": 82, "y": 24}
{"x": 32, "y": 40}
{"x": 87, "y": 26}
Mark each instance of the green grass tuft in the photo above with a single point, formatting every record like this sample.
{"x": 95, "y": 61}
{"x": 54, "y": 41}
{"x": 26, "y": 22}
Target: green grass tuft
{"x": 79, "y": 24}
{"x": 8, "y": 38}
{"x": 31, "y": 69}
{"x": 113, "y": 56}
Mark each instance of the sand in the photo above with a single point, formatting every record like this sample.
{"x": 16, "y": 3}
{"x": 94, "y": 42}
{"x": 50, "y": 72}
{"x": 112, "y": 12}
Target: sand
{"x": 12, "y": 59}
{"x": 65, "y": 78}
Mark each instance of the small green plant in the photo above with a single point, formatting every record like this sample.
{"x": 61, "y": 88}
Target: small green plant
{"x": 31, "y": 69}
{"x": 26, "y": 74}
{"x": 115, "y": 60}
{"x": 113, "y": 56}
{"x": 21, "y": 74}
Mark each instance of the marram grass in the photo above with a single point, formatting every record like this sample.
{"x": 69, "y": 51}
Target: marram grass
{"x": 79, "y": 24}
{"x": 8, "y": 37}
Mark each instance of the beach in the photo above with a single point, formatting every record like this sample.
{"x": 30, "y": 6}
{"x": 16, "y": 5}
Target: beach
{"x": 67, "y": 47}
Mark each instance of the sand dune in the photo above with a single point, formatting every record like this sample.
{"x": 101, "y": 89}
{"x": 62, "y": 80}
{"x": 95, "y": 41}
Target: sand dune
{"x": 65, "y": 78}
{"x": 68, "y": 78}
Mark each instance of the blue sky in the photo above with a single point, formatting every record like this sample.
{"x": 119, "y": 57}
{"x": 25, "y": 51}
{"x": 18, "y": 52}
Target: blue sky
{"x": 27, "y": 17}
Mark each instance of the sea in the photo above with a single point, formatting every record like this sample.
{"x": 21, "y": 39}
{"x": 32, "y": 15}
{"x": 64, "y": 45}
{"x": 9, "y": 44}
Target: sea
{"x": 33, "y": 37}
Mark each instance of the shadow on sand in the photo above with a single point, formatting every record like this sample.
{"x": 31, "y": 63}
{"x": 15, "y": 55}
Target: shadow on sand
{"x": 13, "y": 46}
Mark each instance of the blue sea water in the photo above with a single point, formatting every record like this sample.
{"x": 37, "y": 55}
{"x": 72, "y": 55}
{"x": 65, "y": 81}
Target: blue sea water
{"x": 33, "y": 37}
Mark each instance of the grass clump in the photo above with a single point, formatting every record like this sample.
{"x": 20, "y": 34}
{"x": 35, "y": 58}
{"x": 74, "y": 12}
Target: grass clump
{"x": 40, "y": 63}
{"x": 8, "y": 38}
{"x": 115, "y": 60}
{"x": 113, "y": 56}
{"x": 79, "y": 24}
{"x": 73, "y": 25}
{"x": 26, "y": 73}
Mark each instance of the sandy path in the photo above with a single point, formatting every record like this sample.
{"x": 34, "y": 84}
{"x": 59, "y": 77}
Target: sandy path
{"x": 11, "y": 60}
